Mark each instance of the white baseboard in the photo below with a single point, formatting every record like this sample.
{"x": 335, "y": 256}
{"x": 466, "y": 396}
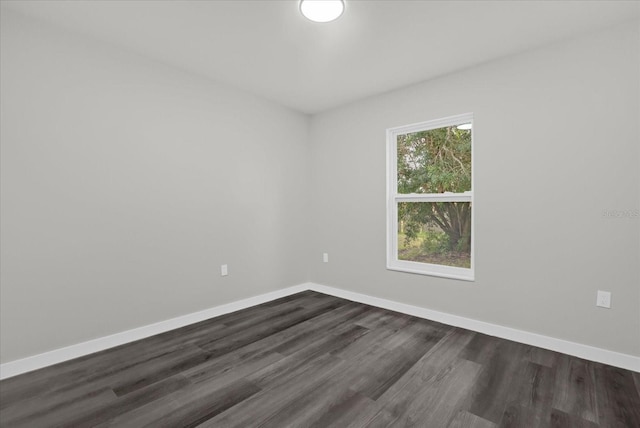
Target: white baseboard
{"x": 35, "y": 362}
{"x": 587, "y": 352}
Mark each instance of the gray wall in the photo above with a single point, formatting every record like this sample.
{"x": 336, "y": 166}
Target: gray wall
{"x": 126, "y": 184}
{"x": 556, "y": 143}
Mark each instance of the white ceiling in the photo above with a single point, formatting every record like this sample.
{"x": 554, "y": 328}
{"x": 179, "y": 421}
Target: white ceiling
{"x": 266, "y": 47}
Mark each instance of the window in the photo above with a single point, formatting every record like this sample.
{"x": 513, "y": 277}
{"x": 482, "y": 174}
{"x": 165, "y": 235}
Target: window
{"x": 430, "y": 198}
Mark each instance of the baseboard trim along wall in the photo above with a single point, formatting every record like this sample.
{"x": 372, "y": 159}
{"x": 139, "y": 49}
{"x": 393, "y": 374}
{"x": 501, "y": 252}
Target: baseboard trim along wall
{"x": 587, "y": 352}
{"x": 14, "y": 368}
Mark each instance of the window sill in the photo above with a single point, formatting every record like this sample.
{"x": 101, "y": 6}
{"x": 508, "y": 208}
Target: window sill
{"x": 440, "y": 271}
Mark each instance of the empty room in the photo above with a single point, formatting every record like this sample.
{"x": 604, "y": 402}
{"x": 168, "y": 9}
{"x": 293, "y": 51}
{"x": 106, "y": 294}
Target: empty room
{"x": 320, "y": 213}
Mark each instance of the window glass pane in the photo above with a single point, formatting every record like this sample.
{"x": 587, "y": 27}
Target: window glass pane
{"x": 435, "y": 161}
{"x": 435, "y": 232}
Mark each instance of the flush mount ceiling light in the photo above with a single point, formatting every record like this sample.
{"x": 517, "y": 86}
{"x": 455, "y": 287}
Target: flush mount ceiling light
{"x": 322, "y": 10}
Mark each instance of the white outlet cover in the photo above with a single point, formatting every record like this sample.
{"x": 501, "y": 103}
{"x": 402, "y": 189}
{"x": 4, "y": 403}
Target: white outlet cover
{"x": 604, "y": 299}
{"x": 325, "y": 257}
{"x": 223, "y": 270}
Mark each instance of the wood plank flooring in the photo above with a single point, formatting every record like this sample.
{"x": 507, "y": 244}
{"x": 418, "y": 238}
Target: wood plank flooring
{"x": 312, "y": 360}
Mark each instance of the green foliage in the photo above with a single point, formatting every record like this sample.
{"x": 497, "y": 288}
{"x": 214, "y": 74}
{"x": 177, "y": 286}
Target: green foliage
{"x": 435, "y": 242}
{"x": 436, "y": 161}
{"x": 431, "y": 246}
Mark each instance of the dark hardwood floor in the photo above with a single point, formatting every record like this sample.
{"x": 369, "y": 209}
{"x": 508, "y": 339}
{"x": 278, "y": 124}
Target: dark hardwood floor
{"x": 312, "y": 360}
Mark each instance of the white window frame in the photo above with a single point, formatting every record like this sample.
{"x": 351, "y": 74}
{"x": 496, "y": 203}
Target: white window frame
{"x": 393, "y": 198}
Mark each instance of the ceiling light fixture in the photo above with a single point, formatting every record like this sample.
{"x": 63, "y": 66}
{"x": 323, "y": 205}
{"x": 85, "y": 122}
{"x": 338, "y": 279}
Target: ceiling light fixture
{"x": 322, "y": 10}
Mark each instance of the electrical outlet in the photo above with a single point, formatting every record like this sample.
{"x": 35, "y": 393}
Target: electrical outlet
{"x": 223, "y": 270}
{"x": 604, "y": 299}
{"x": 325, "y": 257}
